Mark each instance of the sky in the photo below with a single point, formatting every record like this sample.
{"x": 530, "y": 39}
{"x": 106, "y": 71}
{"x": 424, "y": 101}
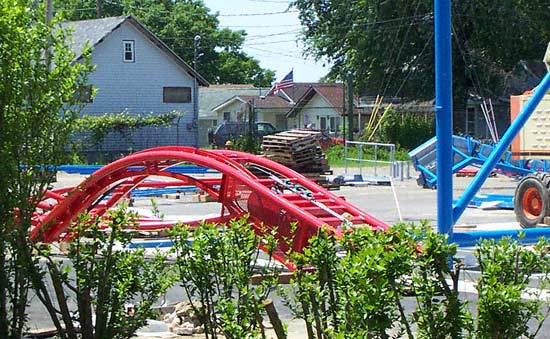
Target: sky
{"x": 273, "y": 36}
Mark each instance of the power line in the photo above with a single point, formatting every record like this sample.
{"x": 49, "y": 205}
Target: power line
{"x": 263, "y": 36}
{"x": 259, "y": 26}
{"x": 280, "y": 53}
{"x": 267, "y": 42}
{"x": 259, "y": 14}
{"x": 273, "y": 1}
{"x": 396, "y": 61}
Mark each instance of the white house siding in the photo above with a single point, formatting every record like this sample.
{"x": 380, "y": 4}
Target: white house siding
{"x": 276, "y": 116}
{"x": 235, "y": 110}
{"x": 313, "y": 111}
{"x": 138, "y": 88}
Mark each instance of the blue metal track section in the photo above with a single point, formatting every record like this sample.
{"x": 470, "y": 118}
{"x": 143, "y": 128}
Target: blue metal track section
{"x": 155, "y": 192}
{"x": 493, "y": 201}
{"x": 467, "y": 151}
{"x": 501, "y": 148}
{"x": 529, "y": 236}
{"x": 444, "y": 113}
{"x": 90, "y": 169}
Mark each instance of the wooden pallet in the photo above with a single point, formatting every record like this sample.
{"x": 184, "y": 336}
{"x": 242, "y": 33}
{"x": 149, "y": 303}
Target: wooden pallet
{"x": 299, "y": 150}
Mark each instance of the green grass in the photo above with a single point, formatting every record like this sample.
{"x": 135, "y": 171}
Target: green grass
{"x": 336, "y": 155}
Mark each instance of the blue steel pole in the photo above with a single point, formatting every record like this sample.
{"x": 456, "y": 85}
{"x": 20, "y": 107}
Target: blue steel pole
{"x": 501, "y": 147}
{"x": 444, "y": 112}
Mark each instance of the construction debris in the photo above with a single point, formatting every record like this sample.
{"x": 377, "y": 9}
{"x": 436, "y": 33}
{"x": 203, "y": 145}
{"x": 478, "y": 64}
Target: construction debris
{"x": 183, "y": 320}
{"x": 299, "y": 150}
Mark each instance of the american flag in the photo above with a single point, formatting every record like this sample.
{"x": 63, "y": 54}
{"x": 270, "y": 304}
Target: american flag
{"x": 287, "y": 82}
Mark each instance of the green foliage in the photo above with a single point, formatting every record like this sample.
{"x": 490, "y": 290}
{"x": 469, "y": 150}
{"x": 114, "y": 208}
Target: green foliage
{"x": 98, "y": 127}
{"x": 177, "y": 23}
{"x": 103, "y": 278}
{"x": 360, "y": 37}
{"x": 359, "y": 282}
{"x": 37, "y": 107}
{"x": 440, "y": 313}
{"x": 215, "y": 268}
{"x": 336, "y": 155}
{"x": 390, "y": 44}
{"x": 248, "y": 143}
{"x": 407, "y": 130}
{"x": 506, "y": 305}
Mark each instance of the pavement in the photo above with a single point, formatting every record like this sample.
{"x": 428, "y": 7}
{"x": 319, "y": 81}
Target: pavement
{"x": 406, "y": 202}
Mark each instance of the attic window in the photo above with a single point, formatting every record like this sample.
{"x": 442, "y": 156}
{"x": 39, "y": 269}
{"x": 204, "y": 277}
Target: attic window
{"x": 128, "y": 51}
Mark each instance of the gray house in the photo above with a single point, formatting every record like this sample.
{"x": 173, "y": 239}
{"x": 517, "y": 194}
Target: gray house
{"x": 137, "y": 73}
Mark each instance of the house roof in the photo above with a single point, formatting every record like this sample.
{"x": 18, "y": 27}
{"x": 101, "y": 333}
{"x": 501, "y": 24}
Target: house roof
{"x": 332, "y": 93}
{"x": 94, "y": 32}
{"x": 230, "y": 101}
{"x": 270, "y": 101}
{"x": 215, "y": 95}
{"x": 299, "y": 93}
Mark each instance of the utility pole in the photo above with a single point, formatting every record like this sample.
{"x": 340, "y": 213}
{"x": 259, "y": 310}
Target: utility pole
{"x": 350, "y": 106}
{"x": 98, "y": 9}
{"x": 49, "y": 14}
{"x": 196, "y": 45}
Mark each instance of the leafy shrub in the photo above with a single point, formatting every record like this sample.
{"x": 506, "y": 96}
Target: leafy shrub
{"x": 248, "y": 143}
{"x": 407, "y": 130}
{"x": 215, "y": 268}
{"x": 102, "y": 278}
{"x": 506, "y": 271}
{"x": 358, "y": 283}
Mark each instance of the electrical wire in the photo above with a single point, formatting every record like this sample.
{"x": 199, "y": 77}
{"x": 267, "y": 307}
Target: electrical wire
{"x": 418, "y": 59}
{"x": 396, "y": 61}
{"x": 258, "y": 14}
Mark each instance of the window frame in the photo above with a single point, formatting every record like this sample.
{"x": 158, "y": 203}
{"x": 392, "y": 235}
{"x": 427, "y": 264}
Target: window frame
{"x": 132, "y": 45}
{"x": 189, "y": 97}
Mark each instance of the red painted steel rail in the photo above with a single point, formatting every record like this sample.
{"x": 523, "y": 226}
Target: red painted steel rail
{"x": 273, "y": 195}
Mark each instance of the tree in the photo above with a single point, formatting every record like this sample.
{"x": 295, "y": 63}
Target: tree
{"x": 388, "y": 45}
{"x": 36, "y": 112}
{"x": 380, "y": 43}
{"x": 219, "y": 54}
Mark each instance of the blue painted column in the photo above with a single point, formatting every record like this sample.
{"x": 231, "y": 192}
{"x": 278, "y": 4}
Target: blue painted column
{"x": 501, "y": 147}
{"x": 444, "y": 115}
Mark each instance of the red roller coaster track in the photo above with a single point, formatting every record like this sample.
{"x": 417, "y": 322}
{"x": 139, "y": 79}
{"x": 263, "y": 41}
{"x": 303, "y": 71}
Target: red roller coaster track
{"x": 272, "y": 194}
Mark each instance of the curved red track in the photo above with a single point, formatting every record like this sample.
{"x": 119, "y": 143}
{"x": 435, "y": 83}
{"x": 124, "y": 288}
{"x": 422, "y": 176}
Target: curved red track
{"x": 273, "y": 195}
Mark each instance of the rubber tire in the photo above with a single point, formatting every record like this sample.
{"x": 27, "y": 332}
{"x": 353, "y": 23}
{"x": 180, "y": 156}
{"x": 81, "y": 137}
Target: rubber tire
{"x": 532, "y": 184}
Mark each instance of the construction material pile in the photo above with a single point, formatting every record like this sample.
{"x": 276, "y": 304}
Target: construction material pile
{"x": 300, "y": 151}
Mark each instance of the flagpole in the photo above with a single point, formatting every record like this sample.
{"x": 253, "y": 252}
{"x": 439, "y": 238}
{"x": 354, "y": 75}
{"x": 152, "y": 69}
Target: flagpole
{"x": 269, "y": 91}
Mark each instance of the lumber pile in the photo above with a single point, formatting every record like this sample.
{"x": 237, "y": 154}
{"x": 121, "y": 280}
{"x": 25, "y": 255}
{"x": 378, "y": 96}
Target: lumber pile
{"x": 300, "y": 151}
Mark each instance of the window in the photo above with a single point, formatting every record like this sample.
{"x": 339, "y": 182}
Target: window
{"x": 226, "y": 116}
{"x": 334, "y": 124}
{"x": 323, "y": 123}
{"x": 176, "y": 94}
{"x": 128, "y": 51}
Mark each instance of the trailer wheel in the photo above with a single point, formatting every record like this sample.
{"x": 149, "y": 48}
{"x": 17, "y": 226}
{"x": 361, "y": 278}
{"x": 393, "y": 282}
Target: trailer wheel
{"x": 531, "y": 201}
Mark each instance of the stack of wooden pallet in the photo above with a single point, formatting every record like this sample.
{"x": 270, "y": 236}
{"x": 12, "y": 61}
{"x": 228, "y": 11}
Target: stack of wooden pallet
{"x": 299, "y": 150}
